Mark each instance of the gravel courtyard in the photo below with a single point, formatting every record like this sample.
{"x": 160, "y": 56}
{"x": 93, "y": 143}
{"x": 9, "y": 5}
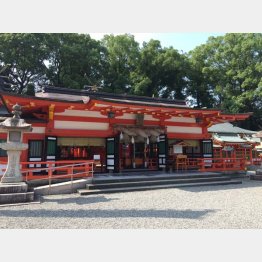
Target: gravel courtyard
{"x": 228, "y": 207}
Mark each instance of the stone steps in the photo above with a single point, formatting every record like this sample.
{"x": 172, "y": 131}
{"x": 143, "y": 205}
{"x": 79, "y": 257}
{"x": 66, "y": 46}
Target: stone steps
{"x": 143, "y": 178}
{"x": 16, "y": 198}
{"x": 114, "y": 184}
{"x": 11, "y": 193}
{"x": 151, "y": 187}
{"x": 121, "y": 184}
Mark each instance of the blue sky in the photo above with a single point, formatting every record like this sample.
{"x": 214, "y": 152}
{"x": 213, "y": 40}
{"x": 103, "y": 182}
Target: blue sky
{"x": 180, "y": 41}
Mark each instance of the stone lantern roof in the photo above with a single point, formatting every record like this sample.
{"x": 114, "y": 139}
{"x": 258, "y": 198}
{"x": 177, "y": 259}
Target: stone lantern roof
{"x": 15, "y": 123}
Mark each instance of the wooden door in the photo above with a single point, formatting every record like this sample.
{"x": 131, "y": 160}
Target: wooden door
{"x": 207, "y": 151}
{"x": 162, "y": 151}
{"x": 112, "y": 154}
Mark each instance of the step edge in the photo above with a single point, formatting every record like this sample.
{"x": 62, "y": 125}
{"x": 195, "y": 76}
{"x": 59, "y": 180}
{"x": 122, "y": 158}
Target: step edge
{"x": 126, "y": 189}
{"x": 156, "y": 181}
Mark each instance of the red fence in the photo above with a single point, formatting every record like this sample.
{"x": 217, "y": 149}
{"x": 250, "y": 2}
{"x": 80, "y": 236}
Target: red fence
{"x": 79, "y": 169}
{"x": 222, "y": 164}
{"x": 54, "y": 169}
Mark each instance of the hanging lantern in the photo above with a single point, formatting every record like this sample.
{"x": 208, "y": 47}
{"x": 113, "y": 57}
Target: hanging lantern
{"x": 147, "y": 140}
{"x": 121, "y": 136}
{"x": 132, "y": 140}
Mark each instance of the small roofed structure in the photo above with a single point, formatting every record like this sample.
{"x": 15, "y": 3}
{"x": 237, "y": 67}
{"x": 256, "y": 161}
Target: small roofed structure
{"x": 258, "y": 136}
{"x": 233, "y": 141}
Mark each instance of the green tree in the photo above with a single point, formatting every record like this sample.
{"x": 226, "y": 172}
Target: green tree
{"x": 122, "y": 57}
{"x": 147, "y": 76}
{"x": 160, "y": 72}
{"x": 199, "y": 91}
{"x": 174, "y": 74}
{"x": 232, "y": 72}
{"x": 74, "y": 60}
{"x": 24, "y": 56}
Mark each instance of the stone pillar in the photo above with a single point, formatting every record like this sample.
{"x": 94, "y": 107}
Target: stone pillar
{"x": 13, "y": 173}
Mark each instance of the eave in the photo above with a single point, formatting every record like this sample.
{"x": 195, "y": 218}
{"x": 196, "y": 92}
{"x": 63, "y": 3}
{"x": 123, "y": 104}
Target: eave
{"x": 41, "y": 106}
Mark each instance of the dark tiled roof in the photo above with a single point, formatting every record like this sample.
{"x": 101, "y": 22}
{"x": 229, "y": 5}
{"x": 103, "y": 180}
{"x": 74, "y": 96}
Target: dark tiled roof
{"x": 113, "y": 97}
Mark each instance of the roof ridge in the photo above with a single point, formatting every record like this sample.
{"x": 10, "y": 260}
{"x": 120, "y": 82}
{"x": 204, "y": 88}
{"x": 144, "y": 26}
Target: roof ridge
{"x": 65, "y": 90}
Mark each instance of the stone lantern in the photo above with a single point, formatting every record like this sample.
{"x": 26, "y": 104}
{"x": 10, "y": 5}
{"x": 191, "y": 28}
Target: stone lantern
{"x": 11, "y": 185}
{"x": 15, "y": 127}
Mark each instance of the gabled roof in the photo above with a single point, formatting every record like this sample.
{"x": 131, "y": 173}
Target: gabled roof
{"x": 228, "y": 128}
{"x": 68, "y": 93}
{"x": 229, "y": 139}
{"x": 62, "y": 99}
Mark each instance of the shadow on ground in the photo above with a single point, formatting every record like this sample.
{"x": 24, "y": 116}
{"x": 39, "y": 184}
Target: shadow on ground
{"x": 78, "y": 200}
{"x": 107, "y": 213}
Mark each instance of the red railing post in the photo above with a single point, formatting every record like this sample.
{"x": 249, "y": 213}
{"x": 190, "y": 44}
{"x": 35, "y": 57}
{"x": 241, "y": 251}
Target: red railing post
{"x": 72, "y": 172}
{"x": 87, "y": 168}
{"x": 92, "y": 169}
{"x": 50, "y": 172}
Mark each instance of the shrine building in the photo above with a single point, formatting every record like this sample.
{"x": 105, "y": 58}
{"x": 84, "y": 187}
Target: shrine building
{"x": 119, "y": 131}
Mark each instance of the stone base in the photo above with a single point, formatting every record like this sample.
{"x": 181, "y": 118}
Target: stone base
{"x": 15, "y": 193}
{"x": 12, "y": 179}
{"x": 16, "y": 198}
{"x": 8, "y": 188}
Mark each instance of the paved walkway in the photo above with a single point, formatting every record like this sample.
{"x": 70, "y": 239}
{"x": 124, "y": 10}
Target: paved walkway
{"x": 233, "y": 206}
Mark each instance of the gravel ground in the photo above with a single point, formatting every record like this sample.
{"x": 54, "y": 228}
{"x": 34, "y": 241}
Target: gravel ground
{"x": 227, "y": 207}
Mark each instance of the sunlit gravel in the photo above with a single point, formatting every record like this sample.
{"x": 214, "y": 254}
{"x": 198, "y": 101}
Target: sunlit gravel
{"x": 232, "y": 206}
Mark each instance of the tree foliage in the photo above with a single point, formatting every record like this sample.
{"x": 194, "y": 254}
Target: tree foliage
{"x": 161, "y": 72}
{"x": 224, "y": 73}
{"x": 122, "y": 58}
{"x": 23, "y": 56}
{"x": 230, "y": 71}
{"x": 74, "y": 60}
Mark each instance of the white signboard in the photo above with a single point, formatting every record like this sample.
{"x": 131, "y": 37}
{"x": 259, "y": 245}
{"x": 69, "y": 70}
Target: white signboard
{"x": 96, "y": 157}
{"x": 178, "y": 149}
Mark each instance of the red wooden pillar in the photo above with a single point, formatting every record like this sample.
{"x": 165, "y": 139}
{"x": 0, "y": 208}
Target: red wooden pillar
{"x": 250, "y": 154}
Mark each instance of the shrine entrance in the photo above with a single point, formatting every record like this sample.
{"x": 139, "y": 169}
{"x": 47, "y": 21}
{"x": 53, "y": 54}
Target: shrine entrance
{"x": 141, "y": 148}
{"x": 138, "y": 155}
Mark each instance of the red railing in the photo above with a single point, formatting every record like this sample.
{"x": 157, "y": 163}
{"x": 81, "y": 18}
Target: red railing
{"x": 222, "y": 164}
{"x": 211, "y": 164}
{"x": 79, "y": 169}
{"x": 54, "y": 169}
{"x": 256, "y": 161}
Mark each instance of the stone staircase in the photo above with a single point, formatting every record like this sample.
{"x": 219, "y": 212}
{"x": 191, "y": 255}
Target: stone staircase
{"x": 115, "y": 184}
{"x": 15, "y": 193}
